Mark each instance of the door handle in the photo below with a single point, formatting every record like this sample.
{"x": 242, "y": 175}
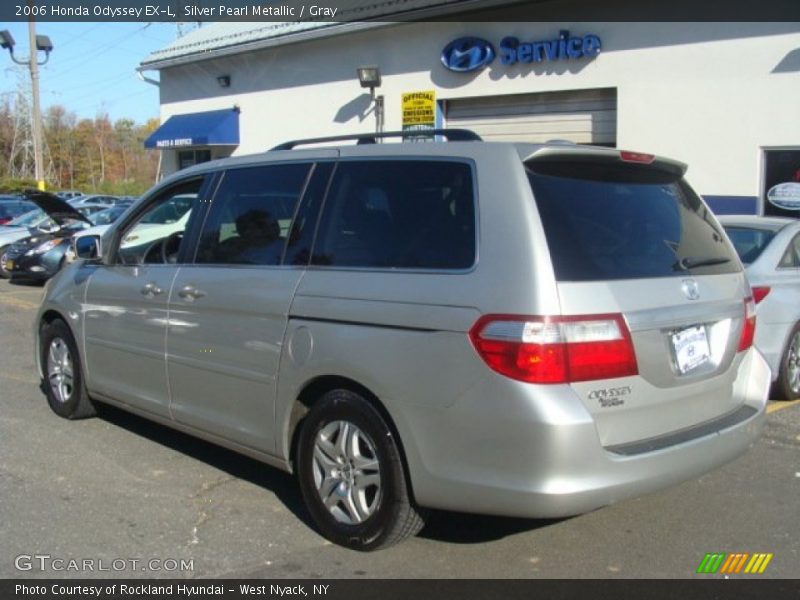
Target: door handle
{"x": 190, "y": 293}
{"x": 151, "y": 289}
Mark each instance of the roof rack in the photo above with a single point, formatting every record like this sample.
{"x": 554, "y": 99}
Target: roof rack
{"x": 452, "y": 135}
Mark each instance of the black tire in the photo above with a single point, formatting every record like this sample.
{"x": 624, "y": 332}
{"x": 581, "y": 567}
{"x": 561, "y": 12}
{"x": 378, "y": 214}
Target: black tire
{"x": 788, "y": 383}
{"x": 392, "y": 516}
{"x": 3, "y": 273}
{"x": 71, "y": 399}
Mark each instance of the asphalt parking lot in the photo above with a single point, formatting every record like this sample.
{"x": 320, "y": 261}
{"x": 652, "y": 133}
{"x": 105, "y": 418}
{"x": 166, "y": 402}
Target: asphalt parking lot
{"x": 119, "y": 488}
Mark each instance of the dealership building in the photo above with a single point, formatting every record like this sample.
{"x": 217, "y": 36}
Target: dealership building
{"x": 722, "y": 97}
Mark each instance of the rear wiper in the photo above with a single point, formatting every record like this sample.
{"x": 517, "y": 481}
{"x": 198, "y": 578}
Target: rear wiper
{"x": 690, "y": 262}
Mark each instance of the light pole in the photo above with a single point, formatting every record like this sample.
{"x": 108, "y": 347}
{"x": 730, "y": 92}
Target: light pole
{"x": 370, "y": 77}
{"x": 39, "y": 43}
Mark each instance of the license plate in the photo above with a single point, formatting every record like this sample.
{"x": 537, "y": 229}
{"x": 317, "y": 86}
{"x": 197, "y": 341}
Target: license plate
{"x": 691, "y": 348}
{"x": 9, "y": 265}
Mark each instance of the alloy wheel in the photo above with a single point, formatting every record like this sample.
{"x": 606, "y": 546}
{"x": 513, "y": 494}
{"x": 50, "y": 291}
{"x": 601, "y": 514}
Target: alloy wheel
{"x": 793, "y": 364}
{"x": 347, "y": 472}
{"x": 59, "y": 370}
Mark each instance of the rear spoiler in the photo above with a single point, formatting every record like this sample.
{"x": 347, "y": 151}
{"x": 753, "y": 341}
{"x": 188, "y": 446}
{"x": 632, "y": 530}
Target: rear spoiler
{"x": 593, "y": 154}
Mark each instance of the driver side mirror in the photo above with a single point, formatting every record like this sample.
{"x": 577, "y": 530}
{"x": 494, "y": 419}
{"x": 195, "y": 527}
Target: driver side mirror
{"x": 87, "y": 246}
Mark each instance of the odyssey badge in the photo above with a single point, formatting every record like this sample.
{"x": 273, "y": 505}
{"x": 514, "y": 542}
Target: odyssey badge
{"x": 467, "y": 54}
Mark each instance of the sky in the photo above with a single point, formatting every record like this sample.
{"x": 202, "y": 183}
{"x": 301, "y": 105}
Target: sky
{"x": 92, "y": 67}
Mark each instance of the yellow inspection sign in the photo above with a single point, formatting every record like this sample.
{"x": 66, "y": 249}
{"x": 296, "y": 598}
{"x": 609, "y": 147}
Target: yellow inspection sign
{"x": 419, "y": 108}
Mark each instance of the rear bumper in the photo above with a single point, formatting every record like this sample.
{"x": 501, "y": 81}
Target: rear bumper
{"x": 540, "y": 456}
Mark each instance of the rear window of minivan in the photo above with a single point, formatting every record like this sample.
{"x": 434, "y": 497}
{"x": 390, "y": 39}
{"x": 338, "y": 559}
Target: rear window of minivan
{"x": 605, "y": 222}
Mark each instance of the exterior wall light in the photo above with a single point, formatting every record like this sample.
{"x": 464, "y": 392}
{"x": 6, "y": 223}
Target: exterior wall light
{"x": 370, "y": 77}
{"x": 44, "y": 44}
{"x": 7, "y": 40}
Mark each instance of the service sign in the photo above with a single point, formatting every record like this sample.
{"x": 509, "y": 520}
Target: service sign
{"x": 785, "y": 195}
{"x": 468, "y": 54}
{"x": 419, "y": 111}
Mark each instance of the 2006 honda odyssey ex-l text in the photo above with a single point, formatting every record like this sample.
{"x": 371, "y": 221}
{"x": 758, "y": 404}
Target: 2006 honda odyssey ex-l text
{"x": 511, "y": 329}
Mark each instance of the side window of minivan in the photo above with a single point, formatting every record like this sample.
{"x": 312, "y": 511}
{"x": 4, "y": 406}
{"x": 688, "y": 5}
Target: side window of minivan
{"x": 407, "y": 214}
{"x": 155, "y": 235}
{"x": 251, "y": 215}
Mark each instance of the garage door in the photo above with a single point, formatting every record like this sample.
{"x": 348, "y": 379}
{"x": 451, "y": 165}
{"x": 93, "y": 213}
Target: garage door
{"x": 582, "y": 116}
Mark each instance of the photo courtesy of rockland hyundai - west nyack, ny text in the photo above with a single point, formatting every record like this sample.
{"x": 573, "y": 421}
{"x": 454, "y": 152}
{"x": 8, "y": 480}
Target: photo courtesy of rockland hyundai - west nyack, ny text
{"x": 372, "y": 298}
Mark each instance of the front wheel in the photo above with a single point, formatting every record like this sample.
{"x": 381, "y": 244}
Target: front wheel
{"x": 4, "y": 274}
{"x": 788, "y": 383}
{"x": 64, "y": 387}
{"x": 351, "y": 474}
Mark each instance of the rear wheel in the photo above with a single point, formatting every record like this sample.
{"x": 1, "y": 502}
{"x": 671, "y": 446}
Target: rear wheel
{"x": 64, "y": 387}
{"x": 788, "y": 384}
{"x": 351, "y": 474}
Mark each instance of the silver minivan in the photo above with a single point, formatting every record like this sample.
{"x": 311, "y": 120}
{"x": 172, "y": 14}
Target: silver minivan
{"x": 510, "y": 329}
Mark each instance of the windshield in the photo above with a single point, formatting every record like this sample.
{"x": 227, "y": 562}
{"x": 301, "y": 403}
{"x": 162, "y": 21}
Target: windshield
{"x": 749, "y": 242}
{"x": 29, "y": 219}
{"x": 611, "y": 222}
{"x": 109, "y": 215}
{"x": 74, "y": 225}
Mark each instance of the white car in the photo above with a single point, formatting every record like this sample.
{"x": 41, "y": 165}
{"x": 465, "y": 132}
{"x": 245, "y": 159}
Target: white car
{"x": 769, "y": 248}
{"x": 21, "y": 226}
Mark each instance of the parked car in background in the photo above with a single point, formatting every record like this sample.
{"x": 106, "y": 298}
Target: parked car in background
{"x": 512, "y": 329}
{"x": 67, "y": 194}
{"x": 88, "y": 210}
{"x": 41, "y": 254}
{"x": 26, "y": 225}
{"x": 13, "y": 208}
{"x": 769, "y": 247}
{"x": 94, "y": 199}
{"x": 33, "y": 218}
{"x": 108, "y": 215}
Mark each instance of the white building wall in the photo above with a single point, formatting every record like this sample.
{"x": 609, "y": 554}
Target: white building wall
{"x": 709, "y": 94}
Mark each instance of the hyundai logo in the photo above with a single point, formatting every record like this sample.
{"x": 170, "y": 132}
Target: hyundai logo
{"x": 467, "y": 54}
{"x": 690, "y": 289}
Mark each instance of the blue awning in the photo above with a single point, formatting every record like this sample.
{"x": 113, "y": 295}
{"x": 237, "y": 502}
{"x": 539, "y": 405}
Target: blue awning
{"x": 212, "y": 128}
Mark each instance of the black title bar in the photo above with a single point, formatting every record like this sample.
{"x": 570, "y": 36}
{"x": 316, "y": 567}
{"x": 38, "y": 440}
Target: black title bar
{"x": 390, "y": 10}
{"x": 349, "y": 589}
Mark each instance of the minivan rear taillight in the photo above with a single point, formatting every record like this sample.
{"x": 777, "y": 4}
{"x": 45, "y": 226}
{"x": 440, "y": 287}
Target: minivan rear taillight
{"x": 749, "y": 327}
{"x": 555, "y": 349}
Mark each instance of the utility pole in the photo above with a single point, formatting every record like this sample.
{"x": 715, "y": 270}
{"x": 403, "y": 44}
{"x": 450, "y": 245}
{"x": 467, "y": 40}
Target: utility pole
{"x": 36, "y": 124}
{"x": 37, "y": 43}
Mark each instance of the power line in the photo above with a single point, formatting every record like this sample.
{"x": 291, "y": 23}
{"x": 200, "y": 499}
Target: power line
{"x": 95, "y": 51}
{"x": 99, "y": 89}
{"x": 77, "y": 37}
{"x": 112, "y": 101}
{"x": 61, "y": 91}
